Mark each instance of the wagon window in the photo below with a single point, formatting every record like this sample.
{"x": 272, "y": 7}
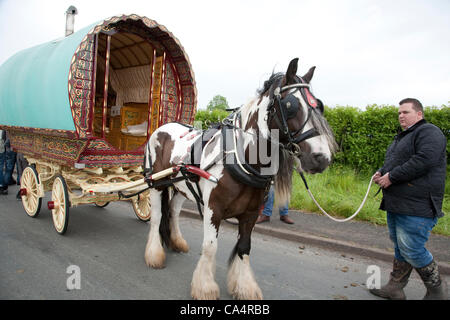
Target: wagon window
{"x": 123, "y": 87}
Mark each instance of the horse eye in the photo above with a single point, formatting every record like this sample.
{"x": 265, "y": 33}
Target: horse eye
{"x": 320, "y": 105}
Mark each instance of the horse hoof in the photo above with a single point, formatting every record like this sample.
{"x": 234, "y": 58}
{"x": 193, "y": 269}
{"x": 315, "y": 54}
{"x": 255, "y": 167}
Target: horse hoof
{"x": 255, "y": 294}
{"x": 245, "y": 291}
{"x": 155, "y": 261}
{"x": 209, "y": 292}
{"x": 241, "y": 281}
{"x": 179, "y": 245}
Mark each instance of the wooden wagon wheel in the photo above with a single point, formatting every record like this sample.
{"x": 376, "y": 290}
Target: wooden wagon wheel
{"x": 60, "y": 204}
{"x": 141, "y": 206}
{"x": 101, "y": 204}
{"x": 29, "y": 191}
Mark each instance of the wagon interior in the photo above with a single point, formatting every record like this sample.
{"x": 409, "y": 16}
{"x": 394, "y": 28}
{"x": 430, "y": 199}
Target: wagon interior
{"x": 123, "y": 80}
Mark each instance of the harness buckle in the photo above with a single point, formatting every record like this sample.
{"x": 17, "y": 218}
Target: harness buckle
{"x": 227, "y": 121}
{"x": 294, "y": 149}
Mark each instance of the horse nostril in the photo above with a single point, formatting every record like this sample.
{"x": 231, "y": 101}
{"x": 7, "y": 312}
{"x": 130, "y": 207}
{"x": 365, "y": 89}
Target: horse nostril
{"x": 320, "y": 159}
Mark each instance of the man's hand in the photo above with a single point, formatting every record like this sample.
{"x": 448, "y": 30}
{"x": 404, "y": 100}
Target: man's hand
{"x": 382, "y": 181}
{"x": 376, "y": 176}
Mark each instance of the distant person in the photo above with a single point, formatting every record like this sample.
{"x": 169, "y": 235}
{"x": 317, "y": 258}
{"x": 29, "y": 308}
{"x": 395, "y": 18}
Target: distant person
{"x": 21, "y": 164}
{"x": 413, "y": 181}
{"x": 268, "y": 207}
{"x": 7, "y": 162}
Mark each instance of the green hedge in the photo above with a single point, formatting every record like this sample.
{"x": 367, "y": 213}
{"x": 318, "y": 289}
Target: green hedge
{"x": 363, "y": 136}
{"x": 207, "y": 117}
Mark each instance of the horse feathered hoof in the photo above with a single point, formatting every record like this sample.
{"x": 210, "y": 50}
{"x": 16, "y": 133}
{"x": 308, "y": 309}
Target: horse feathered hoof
{"x": 246, "y": 294}
{"x": 179, "y": 245}
{"x": 155, "y": 258}
{"x": 205, "y": 291}
{"x": 241, "y": 281}
{"x": 155, "y": 264}
{"x": 203, "y": 285}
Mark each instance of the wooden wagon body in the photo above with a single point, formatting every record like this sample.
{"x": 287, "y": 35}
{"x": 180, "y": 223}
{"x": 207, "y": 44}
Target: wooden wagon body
{"x": 81, "y": 108}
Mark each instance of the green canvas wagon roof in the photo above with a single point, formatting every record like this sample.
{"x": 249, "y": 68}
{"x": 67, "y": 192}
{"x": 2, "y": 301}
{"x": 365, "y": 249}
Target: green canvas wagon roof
{"x": 49, "y": 86}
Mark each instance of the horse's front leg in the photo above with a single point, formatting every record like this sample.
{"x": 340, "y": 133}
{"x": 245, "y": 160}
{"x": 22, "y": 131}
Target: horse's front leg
{"x": 154, "y": 252}
{"x": 203, "y": 285}
{"x": 241, "y": 280}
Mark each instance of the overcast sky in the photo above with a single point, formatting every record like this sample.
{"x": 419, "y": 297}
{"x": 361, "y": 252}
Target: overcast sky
{"x": 366, "y": 51}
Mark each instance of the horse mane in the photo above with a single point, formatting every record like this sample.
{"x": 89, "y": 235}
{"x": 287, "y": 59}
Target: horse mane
{"x": 275, "y": 77}
{"x": 283, "y": 178}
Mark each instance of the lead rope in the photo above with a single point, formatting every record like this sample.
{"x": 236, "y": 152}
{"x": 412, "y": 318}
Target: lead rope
{"x": 324, "y": 212}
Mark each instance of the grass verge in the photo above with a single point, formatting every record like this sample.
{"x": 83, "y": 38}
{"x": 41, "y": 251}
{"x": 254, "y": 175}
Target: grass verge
{"x": 340, "y": 190}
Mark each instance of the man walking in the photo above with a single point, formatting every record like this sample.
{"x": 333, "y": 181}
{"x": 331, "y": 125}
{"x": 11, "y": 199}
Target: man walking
{"x": 7, "y": 162}
{"x": 413, "y": 182}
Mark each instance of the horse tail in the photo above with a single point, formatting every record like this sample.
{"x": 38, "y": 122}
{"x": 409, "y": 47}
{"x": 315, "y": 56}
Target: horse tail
{"x": 164, "y": 226}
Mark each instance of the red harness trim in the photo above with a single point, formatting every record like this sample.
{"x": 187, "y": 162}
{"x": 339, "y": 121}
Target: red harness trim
{"x": 200, "y": 172}
{"x": 311, "y": 100}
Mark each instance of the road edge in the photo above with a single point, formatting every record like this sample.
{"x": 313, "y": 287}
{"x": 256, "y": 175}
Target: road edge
{"x": 327, "y": 243}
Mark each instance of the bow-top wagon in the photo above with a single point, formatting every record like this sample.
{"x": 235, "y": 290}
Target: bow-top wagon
{"x": 81, "y": 109}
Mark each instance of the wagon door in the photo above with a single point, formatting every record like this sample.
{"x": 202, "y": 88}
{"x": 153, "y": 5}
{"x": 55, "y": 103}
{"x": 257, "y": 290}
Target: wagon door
{"x": 128, "y": 82}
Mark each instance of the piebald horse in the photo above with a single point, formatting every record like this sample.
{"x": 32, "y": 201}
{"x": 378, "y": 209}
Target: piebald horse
{"x": 284, "y": 119}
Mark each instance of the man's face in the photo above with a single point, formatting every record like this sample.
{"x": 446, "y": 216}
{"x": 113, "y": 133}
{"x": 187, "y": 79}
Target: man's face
{"x": 407, "y": 116}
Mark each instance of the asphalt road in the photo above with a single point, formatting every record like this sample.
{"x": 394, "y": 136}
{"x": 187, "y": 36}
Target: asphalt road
{"x": 107, "y": 245}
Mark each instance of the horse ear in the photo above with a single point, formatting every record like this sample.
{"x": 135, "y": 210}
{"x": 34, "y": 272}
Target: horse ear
{"x": 292, "y": 71}
{"x": 308, "y": 76}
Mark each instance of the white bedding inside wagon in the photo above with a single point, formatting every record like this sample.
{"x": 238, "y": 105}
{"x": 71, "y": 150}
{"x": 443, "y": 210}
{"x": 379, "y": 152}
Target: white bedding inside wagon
{"x": 137, "y": 130}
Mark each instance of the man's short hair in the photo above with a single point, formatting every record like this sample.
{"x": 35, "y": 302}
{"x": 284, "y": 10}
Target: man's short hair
{"x": 417, "y": 106}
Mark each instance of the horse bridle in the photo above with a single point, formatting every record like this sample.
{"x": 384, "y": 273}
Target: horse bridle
{"x": 289, "y": 107}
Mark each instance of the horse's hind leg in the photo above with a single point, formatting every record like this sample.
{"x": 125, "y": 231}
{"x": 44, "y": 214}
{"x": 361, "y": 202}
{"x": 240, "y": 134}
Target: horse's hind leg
{"x": 241, "y": 280}
{"x": 203, "y": 285}
{"x": 154, "y": 252}
{"x": 177, "y": 242}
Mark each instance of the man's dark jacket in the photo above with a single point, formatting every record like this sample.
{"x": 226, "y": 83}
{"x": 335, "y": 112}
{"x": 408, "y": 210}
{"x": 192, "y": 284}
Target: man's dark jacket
{"x": 416, "y": 162}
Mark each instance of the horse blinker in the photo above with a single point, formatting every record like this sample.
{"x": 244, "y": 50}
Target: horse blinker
{"x": 291, "y": 105}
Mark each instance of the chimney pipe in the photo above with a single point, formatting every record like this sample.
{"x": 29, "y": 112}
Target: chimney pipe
{"x": 70, "y": 19}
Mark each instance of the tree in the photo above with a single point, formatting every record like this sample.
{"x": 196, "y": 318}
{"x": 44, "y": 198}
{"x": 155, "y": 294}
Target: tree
{"x": 218, "y": 102}
{"x": 215, "y": 111}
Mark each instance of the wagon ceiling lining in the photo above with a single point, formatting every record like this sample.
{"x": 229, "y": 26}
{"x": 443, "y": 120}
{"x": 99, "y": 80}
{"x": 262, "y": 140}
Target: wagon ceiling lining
{"x": 128, "y": 50}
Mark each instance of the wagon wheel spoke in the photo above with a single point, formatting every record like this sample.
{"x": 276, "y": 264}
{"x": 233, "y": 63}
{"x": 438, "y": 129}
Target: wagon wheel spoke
{"x": 60, "y": 198}
{"x": 142, "y": 206}
{"x": 30, "y": 182}
{"x": 34, "y": 194}
{"x": 33, "y": 201}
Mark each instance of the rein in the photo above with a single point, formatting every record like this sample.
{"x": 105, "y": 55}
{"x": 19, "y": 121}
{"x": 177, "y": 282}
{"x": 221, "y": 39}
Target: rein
{"x": 324, "y": 212}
